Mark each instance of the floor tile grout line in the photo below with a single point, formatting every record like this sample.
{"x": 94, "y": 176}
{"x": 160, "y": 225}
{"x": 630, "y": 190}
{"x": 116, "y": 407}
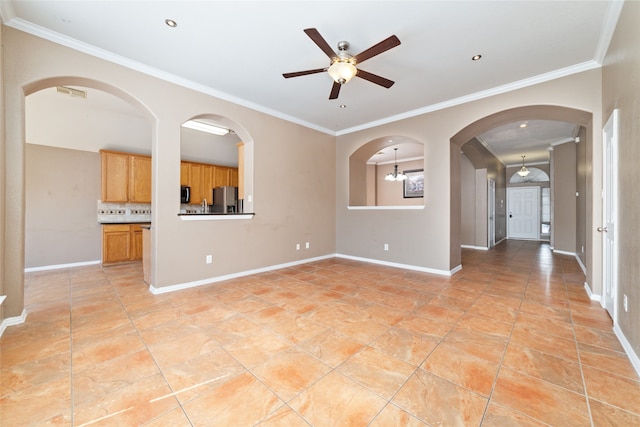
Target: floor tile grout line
{"x": 71, "y": 370}
{"x": 577, "y": 346}
{"x": 146, "y": 346}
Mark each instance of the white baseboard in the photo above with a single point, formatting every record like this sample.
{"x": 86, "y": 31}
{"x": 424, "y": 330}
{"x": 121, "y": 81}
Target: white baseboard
{"x": 633, "y": 357}
{"x": 582, "y": 266}
{"x": 405, "y": 266}
{"x": 592, "y": 296}
{"x": 10, "y": 321}
{"x": 479, "y": 248}
{"x": 555, "y": 251}
{"x": 60, "y": 266}
{"x": 172, "y": 288}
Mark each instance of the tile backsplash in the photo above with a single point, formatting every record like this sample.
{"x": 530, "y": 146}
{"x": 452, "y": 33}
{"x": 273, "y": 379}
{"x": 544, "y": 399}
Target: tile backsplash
{"x": 123, "y": 212}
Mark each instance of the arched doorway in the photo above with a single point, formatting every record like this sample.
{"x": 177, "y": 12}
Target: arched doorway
{"x": 537, "y": 112}
{"x": 14, "y": 208}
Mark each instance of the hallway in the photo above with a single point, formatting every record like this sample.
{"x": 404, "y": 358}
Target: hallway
{"x": 512, "y": 339}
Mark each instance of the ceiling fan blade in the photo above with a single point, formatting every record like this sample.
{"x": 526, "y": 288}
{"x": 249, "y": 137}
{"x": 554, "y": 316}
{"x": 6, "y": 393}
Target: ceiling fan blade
{"x": 335, "y": 90}
{"x": 303, "y": 73}
{"x": 321, "y": 42}
{"x": 383, "y": 46}
{"x": 374, "y": 78}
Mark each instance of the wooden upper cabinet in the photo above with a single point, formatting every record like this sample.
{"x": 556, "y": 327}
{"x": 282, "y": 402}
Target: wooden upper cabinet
{"x": 195, "y": 175}
{"x": 125, "y": 177}
{"x": 207, "y": 183}
{"x": 140, "y": 179}
{"x": 115, "y": 177}
{"x": 203, "y": 178}
{"x": 185, "y": 173}
{"x": 221, "y": 177}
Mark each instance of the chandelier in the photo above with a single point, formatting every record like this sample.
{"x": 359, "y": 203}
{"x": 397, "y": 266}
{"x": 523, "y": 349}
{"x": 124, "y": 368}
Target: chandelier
{"x": 395, "y": 175}
{"x": 523, "y": 170}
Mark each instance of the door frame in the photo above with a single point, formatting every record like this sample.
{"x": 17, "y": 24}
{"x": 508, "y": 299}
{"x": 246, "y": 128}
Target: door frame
{"x": 609, "y": 300}
{"x": 491, "y": 212}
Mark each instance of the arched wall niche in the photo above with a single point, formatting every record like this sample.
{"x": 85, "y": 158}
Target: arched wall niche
{"x": 244, "y": 138}
{"x": 358, "y": 165}
{"x": 469, "y": 132}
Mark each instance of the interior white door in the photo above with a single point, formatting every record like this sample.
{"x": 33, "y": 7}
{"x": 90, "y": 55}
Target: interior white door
{"x": 491, "y": 205}
{"x": 523, "y": 220}
{"x": 609, "y": 201}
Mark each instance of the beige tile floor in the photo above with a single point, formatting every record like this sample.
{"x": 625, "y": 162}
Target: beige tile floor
{"x": 512, "y": 339}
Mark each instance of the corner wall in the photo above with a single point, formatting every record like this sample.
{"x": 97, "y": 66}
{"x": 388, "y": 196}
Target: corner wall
{"x": 621, "y": 90}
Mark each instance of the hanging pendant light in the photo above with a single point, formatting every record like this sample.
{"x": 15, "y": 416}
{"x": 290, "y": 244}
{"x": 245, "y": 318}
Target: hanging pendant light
{"x": 395, "y": 175}
{"x": 523, "y": 170}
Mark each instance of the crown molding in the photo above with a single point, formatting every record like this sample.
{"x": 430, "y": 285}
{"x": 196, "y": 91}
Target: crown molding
{"x": 38, "y": 31}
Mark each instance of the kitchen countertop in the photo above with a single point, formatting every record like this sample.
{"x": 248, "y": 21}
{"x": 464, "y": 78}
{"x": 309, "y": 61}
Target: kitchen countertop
{"x": 124, "y": 222}
{"x": 210, "y": 216}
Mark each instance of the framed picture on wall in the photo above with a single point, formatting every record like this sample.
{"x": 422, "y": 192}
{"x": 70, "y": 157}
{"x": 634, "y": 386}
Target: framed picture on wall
{"x": 414, "y": 184}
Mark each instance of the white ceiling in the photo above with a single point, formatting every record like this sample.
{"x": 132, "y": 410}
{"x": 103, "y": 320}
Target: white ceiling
{"x": 238, "y": 50}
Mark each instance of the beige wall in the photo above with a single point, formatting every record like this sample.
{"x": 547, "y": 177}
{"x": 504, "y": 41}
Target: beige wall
{"x": 293, "y": 185}
{"x": 494, "y": 169}
{"x": 563, "y": 182}
{"x": 3, "y": 223}
{"x": 429, "y": 238}
{"x": 62, "y": 189}
{"x": 621, "y": 90}
{"x": 467, "y": 202}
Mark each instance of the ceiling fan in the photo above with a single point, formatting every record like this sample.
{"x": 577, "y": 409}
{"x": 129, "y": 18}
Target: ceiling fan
{"x": 343, "y": 64}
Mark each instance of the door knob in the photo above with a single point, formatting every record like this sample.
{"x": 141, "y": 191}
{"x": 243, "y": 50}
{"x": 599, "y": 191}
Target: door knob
{"x": 601, "y": 229}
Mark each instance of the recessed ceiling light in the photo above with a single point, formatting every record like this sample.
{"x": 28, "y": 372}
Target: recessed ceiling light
{"x": 523, "y": 125}
{"x": 171, "y": 23}
{"x": 476, "y": 57}
{"x": 343, "y": 106}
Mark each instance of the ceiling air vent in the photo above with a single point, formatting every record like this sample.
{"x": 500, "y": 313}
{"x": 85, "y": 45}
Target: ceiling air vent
{"x": 72, "y": 92}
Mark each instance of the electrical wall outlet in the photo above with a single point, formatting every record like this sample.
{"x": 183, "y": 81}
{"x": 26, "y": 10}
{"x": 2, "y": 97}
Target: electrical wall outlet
{"x": 386, "y": 246}
{"x": 297, "y": 246}
{"x": 306, "y": 245}
{"x": 209, "y": 259}
{"x": 625, "y": 303}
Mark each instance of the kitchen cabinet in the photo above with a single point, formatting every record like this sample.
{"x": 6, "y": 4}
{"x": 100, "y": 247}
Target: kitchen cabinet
{"x": 125, "y": 177}
{"x": 140, "y": 179}
{"x": 121, "y": 242}
{"x": 203, "y": 178}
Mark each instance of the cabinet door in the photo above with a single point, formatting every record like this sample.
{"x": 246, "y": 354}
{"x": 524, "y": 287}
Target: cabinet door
{"x": 140, "y": 179}
{"x": 184, "y": 174}
{"x": 115, "y": 177}
{"x": 207, "y": 183}
{"x": 221, "y": 176}
{"x": 136, "y": 242}
{"x": 195, "y": 173}
{"x": 233, "y": 177}
{"x": 116, "y": 243}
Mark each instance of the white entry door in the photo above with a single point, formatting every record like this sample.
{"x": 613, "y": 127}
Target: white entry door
{"x": 608, "y": 228}
{"x": 523, "y": 216}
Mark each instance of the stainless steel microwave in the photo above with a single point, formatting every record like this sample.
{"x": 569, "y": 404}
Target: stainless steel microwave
{"x": 185, "y": 194}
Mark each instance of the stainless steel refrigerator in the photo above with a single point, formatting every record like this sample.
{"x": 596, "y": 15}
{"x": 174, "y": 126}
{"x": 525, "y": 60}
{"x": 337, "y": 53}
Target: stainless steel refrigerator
{"x": 225, "y": 199}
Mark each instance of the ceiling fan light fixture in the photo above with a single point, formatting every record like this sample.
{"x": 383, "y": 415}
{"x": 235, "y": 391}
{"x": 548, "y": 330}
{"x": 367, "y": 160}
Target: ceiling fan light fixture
{"x": 342, "y": 70}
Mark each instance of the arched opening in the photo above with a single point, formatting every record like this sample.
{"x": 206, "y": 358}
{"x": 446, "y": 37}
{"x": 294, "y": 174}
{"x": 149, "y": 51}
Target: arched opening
{"x": 66, "y": 127}
{"x": 465, "y": 142}
{"x": 392, "y": 155}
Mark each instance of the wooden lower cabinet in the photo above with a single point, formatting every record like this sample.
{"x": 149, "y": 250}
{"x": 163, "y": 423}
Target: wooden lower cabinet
{"x": 121, "y": 242}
